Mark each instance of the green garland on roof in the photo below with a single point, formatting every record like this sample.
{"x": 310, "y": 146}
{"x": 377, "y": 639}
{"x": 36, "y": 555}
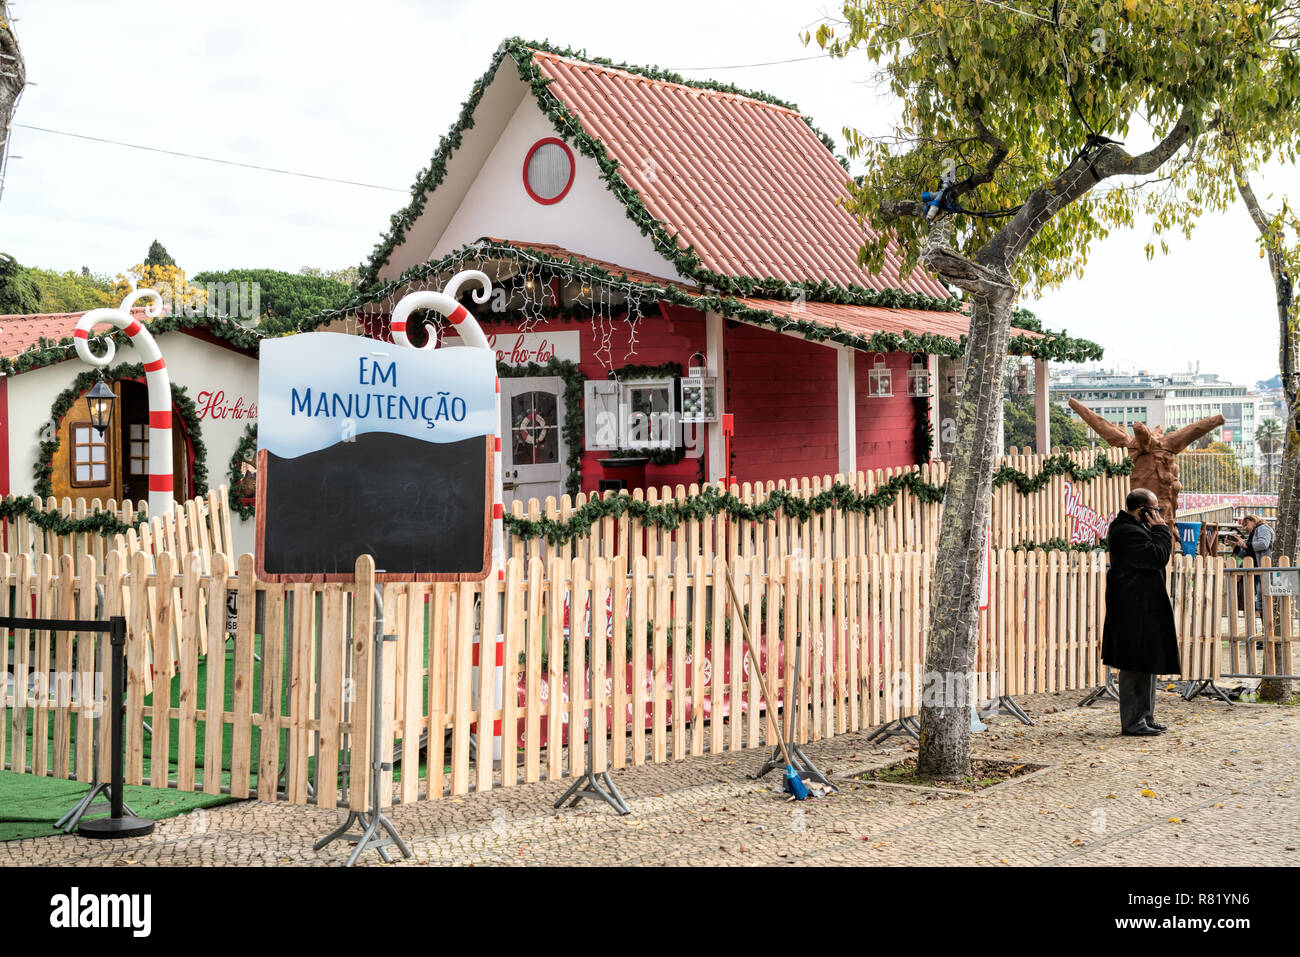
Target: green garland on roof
{"x": 96, "y": 523}
{"x": 669, "y": 245}
{"x": 521, "y": 52}
{"x": 1057, "y": 347}
{"x": 839, "y": 497}
{"x": 48, "y": 352}
{"x": 43, "y": 470}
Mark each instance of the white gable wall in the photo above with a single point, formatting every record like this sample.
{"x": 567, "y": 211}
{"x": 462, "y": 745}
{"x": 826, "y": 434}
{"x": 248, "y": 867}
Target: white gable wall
{"x": 498, "y": 104}
{"x": 588, "y": 220}
{"x": 201, "y": 367}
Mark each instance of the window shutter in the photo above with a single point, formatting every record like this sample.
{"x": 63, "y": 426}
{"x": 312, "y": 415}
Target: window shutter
{"x": 600, "y": 414}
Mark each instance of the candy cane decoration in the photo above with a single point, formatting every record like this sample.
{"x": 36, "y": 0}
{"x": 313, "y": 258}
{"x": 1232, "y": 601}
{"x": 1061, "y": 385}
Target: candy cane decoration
{"x": 445, "y": 304}
{"x": 156, "y": 378}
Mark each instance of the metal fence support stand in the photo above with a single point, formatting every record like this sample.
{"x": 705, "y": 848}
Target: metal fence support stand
{"x": 1004, "y": 704}
{"x": 802, "y": 764}
{"x": 118, "y": 823}
{"x": 1106, "y": 690}
{"x": 906, "y": 727}
{"x": 1207, "y": 687}
{"x": 370, "y": 822}
{"x": 591, "y": 783}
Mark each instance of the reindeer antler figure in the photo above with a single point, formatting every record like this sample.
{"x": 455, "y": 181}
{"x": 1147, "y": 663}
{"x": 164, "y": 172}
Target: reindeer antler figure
{"x": 1153, "y": 454}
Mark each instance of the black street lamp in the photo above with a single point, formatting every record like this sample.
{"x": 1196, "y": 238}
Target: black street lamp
{"x": 100, "y": 400}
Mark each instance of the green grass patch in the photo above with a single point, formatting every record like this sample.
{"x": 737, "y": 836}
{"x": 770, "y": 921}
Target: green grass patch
{"x": 29, "y": 805}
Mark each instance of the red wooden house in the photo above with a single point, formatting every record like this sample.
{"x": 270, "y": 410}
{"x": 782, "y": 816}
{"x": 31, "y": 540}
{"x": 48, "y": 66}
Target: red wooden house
{"x": 637, "y": 225}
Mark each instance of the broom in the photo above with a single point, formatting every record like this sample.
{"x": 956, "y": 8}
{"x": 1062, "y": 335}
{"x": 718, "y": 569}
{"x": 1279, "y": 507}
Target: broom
{"x": 793, "y": 783}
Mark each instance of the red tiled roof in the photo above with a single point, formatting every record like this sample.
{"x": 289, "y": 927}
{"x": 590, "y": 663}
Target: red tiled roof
{"x": 20, "y": 333}
{"x": 748, "y": 184}
{"x": 559, "y": 252}
{"x": 857, "y": 320}
{"x": 867, "y": 320}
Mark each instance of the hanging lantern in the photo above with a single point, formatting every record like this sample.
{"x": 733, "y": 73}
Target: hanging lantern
{"x": 100, "y": 401}
{"x": 880, "y": 379}
{"x": 699, "y": 392}
{"x": 1023, "y": 379}
{"x": 918, "y": 378}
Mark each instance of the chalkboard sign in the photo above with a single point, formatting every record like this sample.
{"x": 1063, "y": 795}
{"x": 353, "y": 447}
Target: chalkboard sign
{"x": 370, "y": 448}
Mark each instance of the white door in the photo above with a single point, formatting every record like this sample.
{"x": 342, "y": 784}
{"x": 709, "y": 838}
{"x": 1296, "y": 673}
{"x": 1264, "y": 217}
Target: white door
{"x": 533, "y": 451}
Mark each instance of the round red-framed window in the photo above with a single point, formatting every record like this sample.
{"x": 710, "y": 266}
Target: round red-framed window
{"x": 548, "y": 170}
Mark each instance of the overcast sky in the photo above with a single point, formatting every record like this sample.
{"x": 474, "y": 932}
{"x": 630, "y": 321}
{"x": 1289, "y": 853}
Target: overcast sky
{"x": 362, "y": 91}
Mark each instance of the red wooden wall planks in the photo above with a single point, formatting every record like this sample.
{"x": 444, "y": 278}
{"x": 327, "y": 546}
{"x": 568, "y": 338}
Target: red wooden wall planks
{"x": 885, "y": 426}
{"x": 783, "y": 393}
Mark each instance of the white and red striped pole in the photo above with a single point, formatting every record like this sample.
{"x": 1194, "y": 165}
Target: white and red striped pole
{"x": 156, "y": 379}
{"x": 445, "y": 304}
{"x": 467, "y": 327}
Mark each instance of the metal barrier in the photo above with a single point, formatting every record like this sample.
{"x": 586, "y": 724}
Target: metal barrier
{"x": 121, "y": 822}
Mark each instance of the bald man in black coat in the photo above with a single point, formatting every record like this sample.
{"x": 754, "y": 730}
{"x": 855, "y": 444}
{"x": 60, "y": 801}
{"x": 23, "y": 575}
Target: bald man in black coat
{"x": 1139, "y": 638}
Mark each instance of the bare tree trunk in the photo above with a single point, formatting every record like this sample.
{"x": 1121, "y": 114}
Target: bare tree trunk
{"x": 1288, "y": 501}
{"x": 954, "y": 599}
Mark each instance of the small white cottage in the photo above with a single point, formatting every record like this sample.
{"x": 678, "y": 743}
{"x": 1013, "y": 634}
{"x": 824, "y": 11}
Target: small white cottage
{"x": 47, "y": 446}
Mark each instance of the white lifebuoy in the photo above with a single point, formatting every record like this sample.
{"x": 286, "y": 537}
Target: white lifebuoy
{"x": 532, "y": 427}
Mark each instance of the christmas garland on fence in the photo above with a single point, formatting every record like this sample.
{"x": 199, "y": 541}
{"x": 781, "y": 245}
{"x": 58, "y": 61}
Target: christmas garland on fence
{"x": 107, "y": 524}
{"x": 1061, "y": 545}
{"x": 839, "y": 497}
{"x": 245, "y": 451}
{"x": 97, "y": 523}
{"x": 43, "y": 471}
{"x": 1060, "y": 465}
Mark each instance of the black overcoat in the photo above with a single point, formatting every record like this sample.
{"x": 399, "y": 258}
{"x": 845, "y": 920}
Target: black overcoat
{"x": 1139, "y": 634}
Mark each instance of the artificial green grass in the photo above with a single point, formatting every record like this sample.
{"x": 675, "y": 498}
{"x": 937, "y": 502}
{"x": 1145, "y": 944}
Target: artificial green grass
{"x": 29, "y": 805}
{"x": 200, "y": 745}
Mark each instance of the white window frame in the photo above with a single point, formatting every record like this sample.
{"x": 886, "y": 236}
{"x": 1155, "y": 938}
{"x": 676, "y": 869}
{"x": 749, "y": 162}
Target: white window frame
{"x": 625, "y": 388}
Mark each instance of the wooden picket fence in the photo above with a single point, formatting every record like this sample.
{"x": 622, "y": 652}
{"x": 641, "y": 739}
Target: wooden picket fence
{"x": 289, "y": 702}
{"x": 1264, "y": 642}
{"x": 200, "y": 524}
{"x": 909, "y": 523}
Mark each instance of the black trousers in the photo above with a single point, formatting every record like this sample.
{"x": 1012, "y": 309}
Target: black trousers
{"x": 1137, "y": 699}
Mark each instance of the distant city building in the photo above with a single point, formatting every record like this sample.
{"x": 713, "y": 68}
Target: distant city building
{"x": 1171, "y": 401}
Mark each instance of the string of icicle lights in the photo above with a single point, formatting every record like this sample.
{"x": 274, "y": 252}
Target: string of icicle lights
{"x": 525, "y": 287}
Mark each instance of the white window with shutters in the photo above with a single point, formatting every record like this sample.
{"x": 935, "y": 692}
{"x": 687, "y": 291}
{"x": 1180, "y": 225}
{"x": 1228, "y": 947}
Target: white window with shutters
{"x": 600, "y": 414}
{"x": 639, "y": 414}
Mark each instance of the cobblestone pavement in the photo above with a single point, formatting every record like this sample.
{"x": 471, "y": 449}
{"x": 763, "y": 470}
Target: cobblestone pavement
{"x": 1221, "y": 786}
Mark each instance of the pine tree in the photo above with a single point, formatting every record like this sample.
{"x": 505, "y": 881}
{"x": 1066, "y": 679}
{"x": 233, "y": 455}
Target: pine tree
{"x": 158, "y": 255}
{"x": 19, "y": 294}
